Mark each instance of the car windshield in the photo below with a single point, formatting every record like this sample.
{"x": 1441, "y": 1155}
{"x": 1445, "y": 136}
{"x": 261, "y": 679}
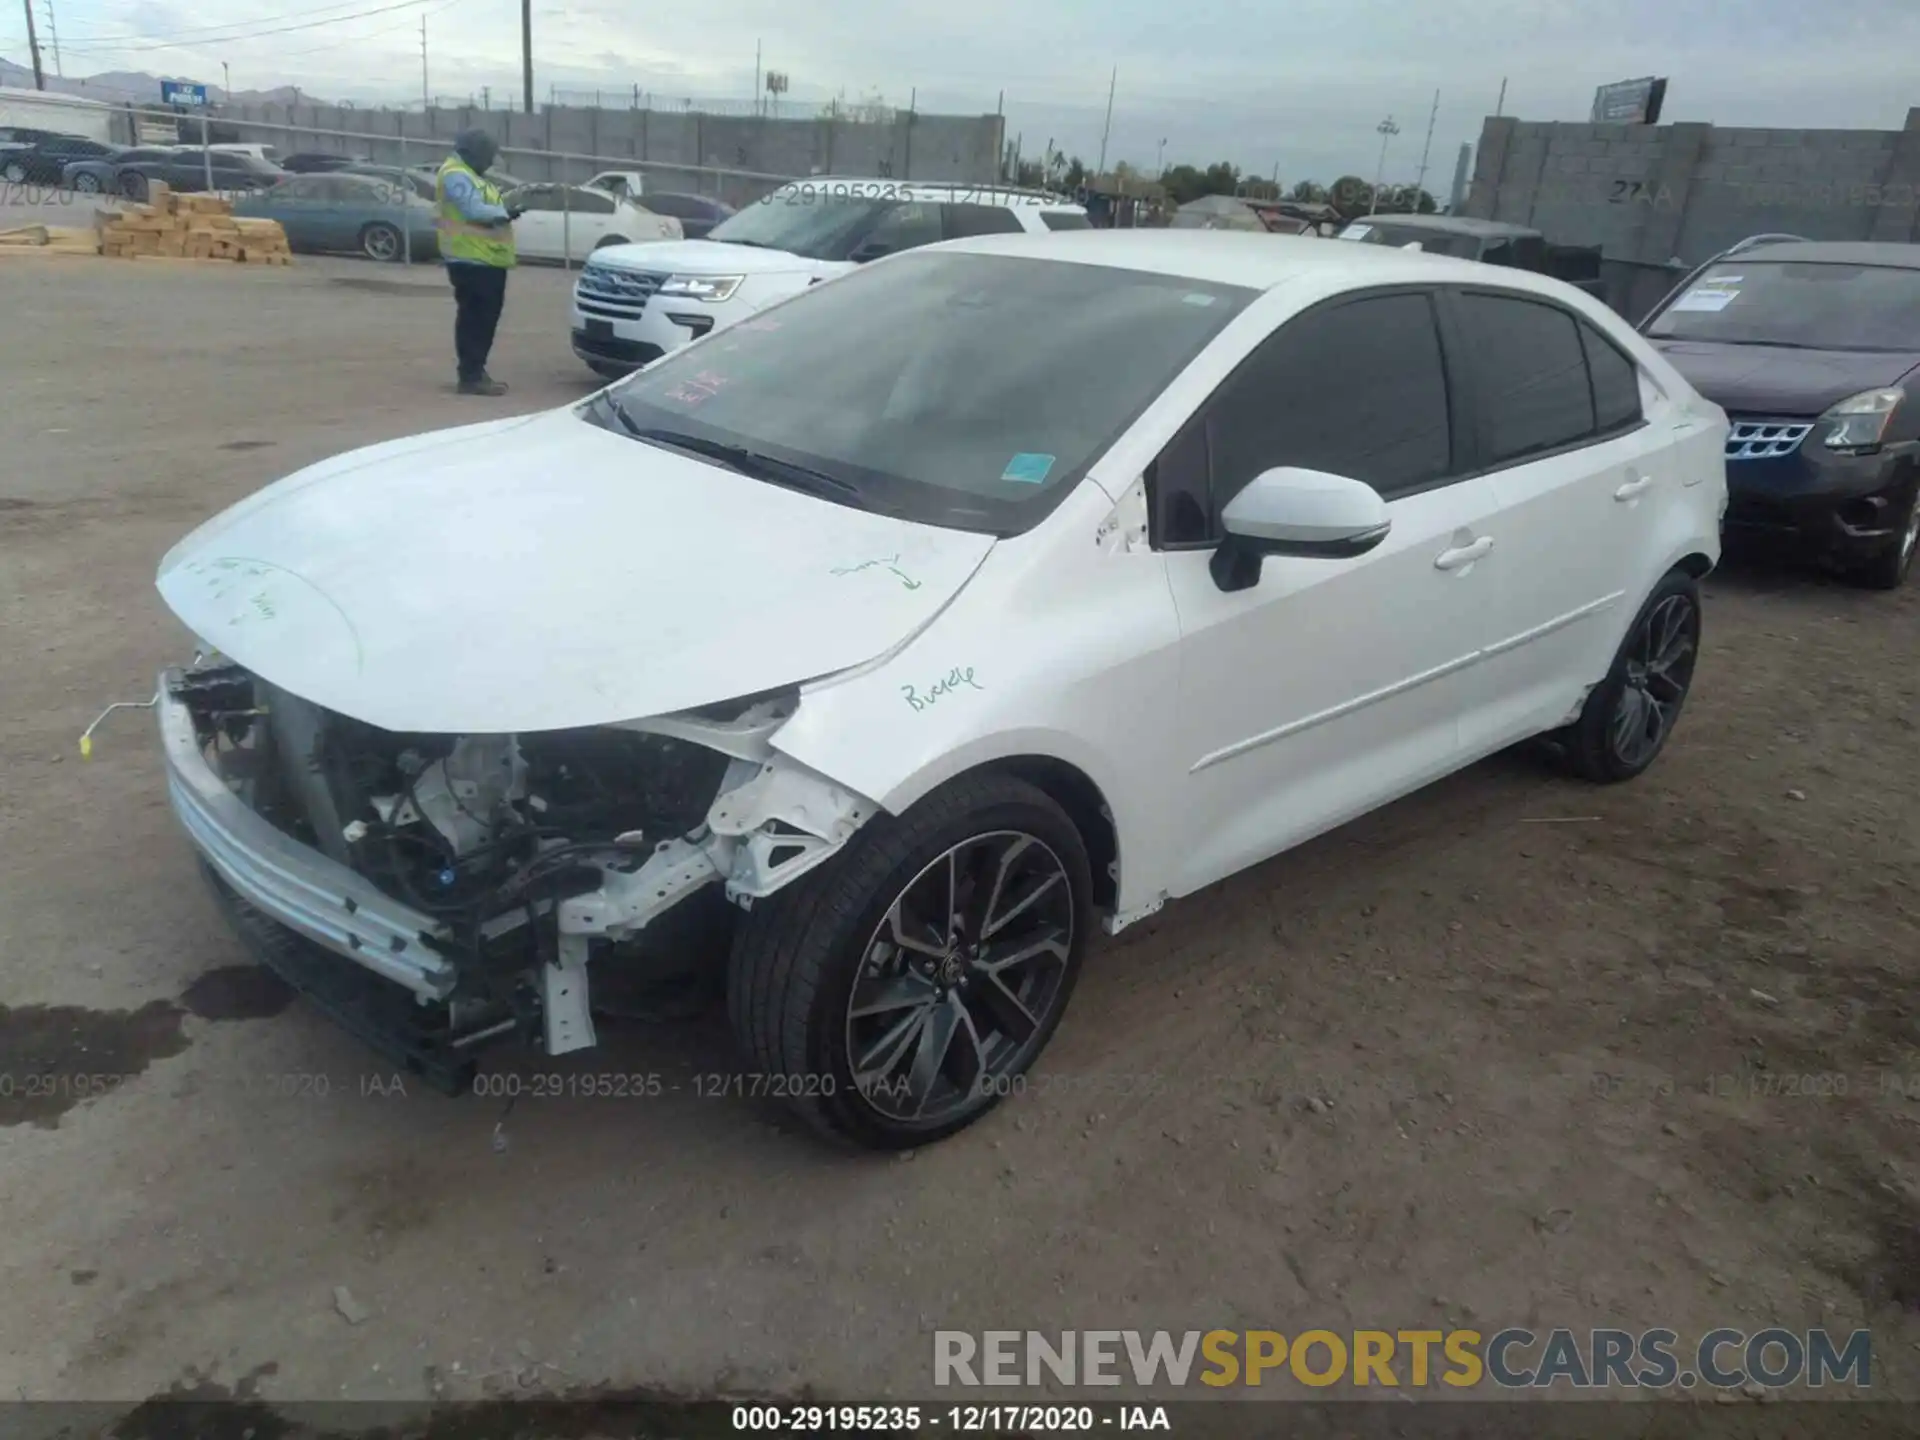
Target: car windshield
{"x": 987, "y": 388}
{"x": 1434, "y": 242}
{"x": 812, "y": 224}
{"x": 1805, "y": 306}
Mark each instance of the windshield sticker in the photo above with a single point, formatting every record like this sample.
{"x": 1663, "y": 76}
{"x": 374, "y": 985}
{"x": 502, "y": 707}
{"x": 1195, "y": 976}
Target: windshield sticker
{"x": 1028, "y": 469}
{"x": 1718, "y": 280}
{"x": 1356, "y": 232}
{"x": 946, "y": 685}
{"x": 1707, "y": 297}
{"x": 1196, "y": 299}
{"x": 892, "y": 562}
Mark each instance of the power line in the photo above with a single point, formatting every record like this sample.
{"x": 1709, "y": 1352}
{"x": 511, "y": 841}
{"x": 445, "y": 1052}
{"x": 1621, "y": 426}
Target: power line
{"x": 192, "y": 30}
{"x": 199, "y": 44}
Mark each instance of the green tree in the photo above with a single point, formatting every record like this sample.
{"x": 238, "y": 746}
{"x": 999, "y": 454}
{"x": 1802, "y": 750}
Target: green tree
{"x": 1350, "y": 195}
{"x": 1308, "y": 193}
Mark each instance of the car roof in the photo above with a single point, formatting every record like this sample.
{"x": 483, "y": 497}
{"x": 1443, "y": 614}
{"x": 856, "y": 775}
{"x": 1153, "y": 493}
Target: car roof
{"x": 1254, "y": 260}
{"x": 1839, "y": 252}
{"x": 986, "y": 192}
{"x": 1452, "y": 224}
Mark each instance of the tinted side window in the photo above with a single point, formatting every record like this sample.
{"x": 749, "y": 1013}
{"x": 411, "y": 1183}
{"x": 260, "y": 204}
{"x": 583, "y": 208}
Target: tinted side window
{"x": 905, "y": 226}
{"x": 965, "y": 220}
{"x": 1064, "y": 220}
{"x": 1616, "y": 382}
{"x": 587, "y": 202}
{"x": 1530, "y": 373}
{"x": 1356, "y": 389}
{"x": 674, "y": 205}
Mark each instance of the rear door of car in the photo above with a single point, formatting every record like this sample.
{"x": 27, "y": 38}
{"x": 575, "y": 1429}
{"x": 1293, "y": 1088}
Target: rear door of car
{"x": 1561, "y": 434}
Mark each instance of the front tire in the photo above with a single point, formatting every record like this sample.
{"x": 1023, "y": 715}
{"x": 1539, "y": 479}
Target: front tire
{"x": 1628, "y": 716}
{"x": 15, "y": 173}
{"x": 381, "y": 241}
{"x": 898, "y": 993}
{"x": 86, "y": 184}
{"x": 134, "y": 187}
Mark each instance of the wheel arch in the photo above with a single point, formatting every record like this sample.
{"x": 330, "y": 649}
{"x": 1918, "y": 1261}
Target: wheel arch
{"x": 1069, "y": 783}
{"x": 1696, "y": 563}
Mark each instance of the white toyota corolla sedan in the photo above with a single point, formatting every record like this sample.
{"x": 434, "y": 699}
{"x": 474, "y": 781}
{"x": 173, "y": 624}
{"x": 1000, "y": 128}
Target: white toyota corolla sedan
{"x": 1000, "y": 590}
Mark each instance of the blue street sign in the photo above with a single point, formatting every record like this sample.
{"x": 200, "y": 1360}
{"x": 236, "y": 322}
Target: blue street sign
{"x": 181, "y": 92}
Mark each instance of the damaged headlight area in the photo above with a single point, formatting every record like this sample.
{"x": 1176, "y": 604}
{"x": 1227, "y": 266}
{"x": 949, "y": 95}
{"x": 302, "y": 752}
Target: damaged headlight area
{"x": 483, "y": 873}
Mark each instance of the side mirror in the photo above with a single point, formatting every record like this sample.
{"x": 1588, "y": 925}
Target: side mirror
{"x": 1305, "y": 513}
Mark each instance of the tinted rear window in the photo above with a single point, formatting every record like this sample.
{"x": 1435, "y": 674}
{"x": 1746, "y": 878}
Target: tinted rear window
{"x": 1532, "y": 375}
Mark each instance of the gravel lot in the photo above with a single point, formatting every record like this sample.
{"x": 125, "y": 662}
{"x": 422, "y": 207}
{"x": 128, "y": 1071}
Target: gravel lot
{"x": 1512, "y": 1052}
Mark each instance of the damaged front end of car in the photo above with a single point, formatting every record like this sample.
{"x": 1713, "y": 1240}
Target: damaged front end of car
{"x": 472, "y": 880}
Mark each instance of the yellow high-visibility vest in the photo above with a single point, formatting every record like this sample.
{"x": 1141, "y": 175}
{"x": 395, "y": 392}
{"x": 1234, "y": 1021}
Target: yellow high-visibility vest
{"x": 460, "y": 238}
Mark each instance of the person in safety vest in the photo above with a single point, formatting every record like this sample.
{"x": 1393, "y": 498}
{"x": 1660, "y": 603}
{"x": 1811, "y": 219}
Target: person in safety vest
{"x": 476, "y": 242}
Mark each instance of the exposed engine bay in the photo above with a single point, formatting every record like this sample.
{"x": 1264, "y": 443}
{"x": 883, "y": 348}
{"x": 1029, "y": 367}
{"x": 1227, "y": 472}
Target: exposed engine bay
{"x": 530, "y": 854}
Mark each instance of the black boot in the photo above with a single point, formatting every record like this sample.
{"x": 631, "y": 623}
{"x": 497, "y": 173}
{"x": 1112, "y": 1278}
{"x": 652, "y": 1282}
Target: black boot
{"x": 484, "y": 385}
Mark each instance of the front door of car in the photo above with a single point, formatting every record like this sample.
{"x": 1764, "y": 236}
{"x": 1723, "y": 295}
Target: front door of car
{"x": 1581, "y": 479}
{"x": 589, "y": 218}
{"x": 536, "y": 234}
{"x": 1330, "y": 685}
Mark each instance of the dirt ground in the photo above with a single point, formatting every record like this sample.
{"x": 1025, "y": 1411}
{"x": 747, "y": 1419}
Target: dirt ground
{"x": 1514, "y": 1051}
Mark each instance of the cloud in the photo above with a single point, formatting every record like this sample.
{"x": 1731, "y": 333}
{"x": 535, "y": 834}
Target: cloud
{"x": 1300, "y": 86}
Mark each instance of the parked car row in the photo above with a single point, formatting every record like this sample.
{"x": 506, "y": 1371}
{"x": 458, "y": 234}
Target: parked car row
{"x": 634, "y": 304}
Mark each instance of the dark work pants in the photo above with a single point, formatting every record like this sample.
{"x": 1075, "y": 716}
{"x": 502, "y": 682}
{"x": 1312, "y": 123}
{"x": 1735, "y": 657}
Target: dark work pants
{"x": 478, "y": 293}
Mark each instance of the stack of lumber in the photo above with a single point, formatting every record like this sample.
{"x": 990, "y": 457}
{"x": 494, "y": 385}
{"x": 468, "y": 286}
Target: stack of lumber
{"x": 52, "y": 239}
{"x": 191, "y": 227}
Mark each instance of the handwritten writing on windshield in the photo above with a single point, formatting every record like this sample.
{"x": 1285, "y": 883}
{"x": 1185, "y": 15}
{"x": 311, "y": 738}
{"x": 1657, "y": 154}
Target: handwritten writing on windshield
{"x": 700, "y": 389}
{"x": 948, "y": 684}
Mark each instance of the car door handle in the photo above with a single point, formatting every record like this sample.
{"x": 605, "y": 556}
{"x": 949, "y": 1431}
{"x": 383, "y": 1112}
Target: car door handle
{"x": 1633, "y": 488}
{"x": 1463, "y": 555}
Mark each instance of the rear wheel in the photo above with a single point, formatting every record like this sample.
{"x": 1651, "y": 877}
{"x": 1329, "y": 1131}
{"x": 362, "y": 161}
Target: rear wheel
{"x": 381, "y": 241}
{"x": 1628, "y": 716}
{"x": 15, "y": 173}
{"x": 87, "y": 184}
{"x": 899, "y": 992}
{"x": 1888, "y": 571}
{"x": 610, "y": 240}
{"x": 133, "y": 186}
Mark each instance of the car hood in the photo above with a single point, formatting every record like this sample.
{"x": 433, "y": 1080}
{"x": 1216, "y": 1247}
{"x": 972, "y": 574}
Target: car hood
{"x": 706, "y": 257}
{"x": 543, "y": 573}
{"x": 1773, "y": 380}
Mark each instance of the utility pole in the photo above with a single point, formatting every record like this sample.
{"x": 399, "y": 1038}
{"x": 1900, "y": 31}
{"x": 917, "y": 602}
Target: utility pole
{"x": 756, "y": 77}
{"x": 526, "y": 54}
{"x": 1420, "y": 181}
{"x": 1500, "y": 105}
{"x": 53, "y": 35}
{"x": 1101, "y": 168}
{"x": 426, "y": 95}
{"x": 33, "y": 44}
{"x": 1160, "y": 159}
{"x": 226, "y": 82}
{"x": 1387, "y": 131}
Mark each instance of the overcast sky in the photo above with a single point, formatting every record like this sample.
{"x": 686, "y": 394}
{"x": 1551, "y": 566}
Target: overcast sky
{"x": 1300, "y": 85}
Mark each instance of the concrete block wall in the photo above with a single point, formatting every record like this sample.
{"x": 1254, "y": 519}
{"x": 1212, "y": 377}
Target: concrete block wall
{"x": 1649, "y": 194}
{"x": 686, "y": 151}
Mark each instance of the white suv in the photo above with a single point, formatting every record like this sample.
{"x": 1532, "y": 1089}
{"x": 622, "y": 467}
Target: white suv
{"x": 633, "y": 304}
